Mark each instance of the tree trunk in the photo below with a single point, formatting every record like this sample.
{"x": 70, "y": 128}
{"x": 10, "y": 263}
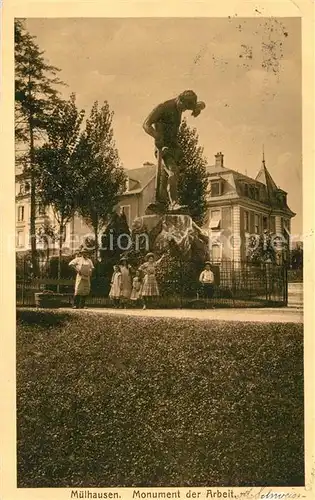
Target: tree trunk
{"x": 47, "y": 254}
{"x": 96, "y": 242}
{"x": 60, "y": 240}
{"x": 47, "y": 251}
{"x": 33, "y": 199}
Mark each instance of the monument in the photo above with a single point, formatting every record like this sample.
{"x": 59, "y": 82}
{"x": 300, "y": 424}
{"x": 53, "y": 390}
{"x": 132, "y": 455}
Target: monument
{"x": 166, "y": 221}
{"x": 163, "y": 125}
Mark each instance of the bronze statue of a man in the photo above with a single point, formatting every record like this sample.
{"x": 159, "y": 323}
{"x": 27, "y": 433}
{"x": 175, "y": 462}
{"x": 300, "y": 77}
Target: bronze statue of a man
{"x": 163, "y": 125}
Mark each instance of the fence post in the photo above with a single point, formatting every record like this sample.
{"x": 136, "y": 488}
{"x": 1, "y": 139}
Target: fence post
{"x": 233, "y": 285}
{"x": 285, "y": 279}
{"x": 265, "y": 269}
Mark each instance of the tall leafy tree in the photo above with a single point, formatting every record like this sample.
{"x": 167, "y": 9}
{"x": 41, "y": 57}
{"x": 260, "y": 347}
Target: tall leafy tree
{"x": 193, "y": 183}
{"x": 47, "y": 235}
{"x": 36, "y": 93}
{"x": 103, "y": 174}
{"x": 261, "y": 248}
{"x": 60, "y": 165}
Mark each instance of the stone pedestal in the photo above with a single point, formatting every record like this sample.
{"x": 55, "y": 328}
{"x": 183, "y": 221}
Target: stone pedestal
{"x": 176, "y": 233}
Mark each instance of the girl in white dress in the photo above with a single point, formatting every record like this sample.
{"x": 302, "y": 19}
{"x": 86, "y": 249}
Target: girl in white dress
{"x": 136, "y": 288}
{"x": 116, "y": 285}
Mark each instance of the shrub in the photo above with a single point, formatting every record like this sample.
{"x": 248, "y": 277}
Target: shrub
{"x": 65, "y": 271}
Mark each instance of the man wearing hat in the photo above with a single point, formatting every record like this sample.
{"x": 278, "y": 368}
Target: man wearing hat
{"x": 84, "y": 268}
{"x": 206, "y": 278}
{"x": 163, "y": 125}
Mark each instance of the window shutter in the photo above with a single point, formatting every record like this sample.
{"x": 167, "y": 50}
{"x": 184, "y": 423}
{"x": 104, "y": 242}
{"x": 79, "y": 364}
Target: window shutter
{"x": 252, "y": 222}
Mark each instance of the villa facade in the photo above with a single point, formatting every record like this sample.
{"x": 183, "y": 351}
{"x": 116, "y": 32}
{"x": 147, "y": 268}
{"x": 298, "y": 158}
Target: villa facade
{"x": 240, "y": 206}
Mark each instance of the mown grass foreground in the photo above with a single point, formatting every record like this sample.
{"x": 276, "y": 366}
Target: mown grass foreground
{"x": 116, "y": 401}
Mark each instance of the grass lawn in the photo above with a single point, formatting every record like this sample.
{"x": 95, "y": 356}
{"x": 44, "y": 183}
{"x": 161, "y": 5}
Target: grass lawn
{"x": 115, "y": 401}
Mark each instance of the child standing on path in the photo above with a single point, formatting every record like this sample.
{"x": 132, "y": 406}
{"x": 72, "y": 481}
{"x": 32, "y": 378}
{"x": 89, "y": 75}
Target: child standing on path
{"x": 126, "y": 283}
{"x": 84, "y": 268}
{"x": 136, "y": 288}
{"x": 207, "y": 280}
{"x": 150, "y": 287}
{"x": 115, "y": 289}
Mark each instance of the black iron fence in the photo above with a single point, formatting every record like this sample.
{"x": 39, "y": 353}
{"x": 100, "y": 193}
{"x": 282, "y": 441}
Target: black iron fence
{"x": 237, "y": 284}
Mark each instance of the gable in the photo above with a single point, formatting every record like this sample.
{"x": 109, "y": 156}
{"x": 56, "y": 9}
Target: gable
{"x": 140, "y": 177}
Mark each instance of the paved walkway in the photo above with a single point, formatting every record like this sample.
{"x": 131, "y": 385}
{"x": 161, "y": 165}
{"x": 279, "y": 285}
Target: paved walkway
{"x": 295, "y": 295}
{"x": 261, "y": 315}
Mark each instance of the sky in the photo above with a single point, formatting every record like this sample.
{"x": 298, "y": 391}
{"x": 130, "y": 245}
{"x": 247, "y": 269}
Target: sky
{"x": 247, "y": 70}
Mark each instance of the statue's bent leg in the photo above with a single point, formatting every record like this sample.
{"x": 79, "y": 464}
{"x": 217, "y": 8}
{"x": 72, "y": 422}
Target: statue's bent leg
{"x": 172, "y": 171}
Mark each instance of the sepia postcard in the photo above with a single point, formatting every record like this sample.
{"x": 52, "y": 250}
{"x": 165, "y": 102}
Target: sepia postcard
{"x": 157, "y": 250}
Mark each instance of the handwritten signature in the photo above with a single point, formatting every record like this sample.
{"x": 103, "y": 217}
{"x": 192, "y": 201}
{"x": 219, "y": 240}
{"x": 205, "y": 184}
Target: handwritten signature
{"x": 308, "y": 486}
{"x": 267, "y": 494}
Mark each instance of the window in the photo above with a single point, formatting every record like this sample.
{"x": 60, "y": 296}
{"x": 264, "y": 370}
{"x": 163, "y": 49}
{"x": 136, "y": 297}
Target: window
{"x": 20, "y": 213}
{"x": 215, "y": 219}
{"x": 282, "y": 198}
{"x": 252, "y": 192}
{"x": 24, "y": 188}
{"x": 41, "y": 211}
{"x": 127, "y": 187}
{"x": 216, "y": 252}
{"x": 256, "y": 224}
{"x": 125, "y": 209}
{"x": 20, "y": 239}
{"x": 286, "y": 227}
{"x": 215, "y": 187}
{"x": 246, "y": 222}
{"x": 272, "y": 224}
{"x": 265, "y": 222}
{"x": 246, "y": 189}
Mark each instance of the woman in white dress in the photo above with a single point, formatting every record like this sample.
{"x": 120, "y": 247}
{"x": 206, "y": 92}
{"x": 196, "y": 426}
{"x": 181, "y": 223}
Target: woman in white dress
{"x": 126, "y": 281}
{"x": 84, "y": 268}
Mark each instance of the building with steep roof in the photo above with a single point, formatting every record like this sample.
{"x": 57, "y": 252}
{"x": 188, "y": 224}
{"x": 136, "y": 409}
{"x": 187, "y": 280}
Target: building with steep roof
{"x": 139, "y": 193}
{"x": 238, "y": 206}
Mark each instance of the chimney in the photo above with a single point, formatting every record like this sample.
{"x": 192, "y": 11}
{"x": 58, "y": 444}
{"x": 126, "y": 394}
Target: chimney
{"x": 219, "y": 160}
